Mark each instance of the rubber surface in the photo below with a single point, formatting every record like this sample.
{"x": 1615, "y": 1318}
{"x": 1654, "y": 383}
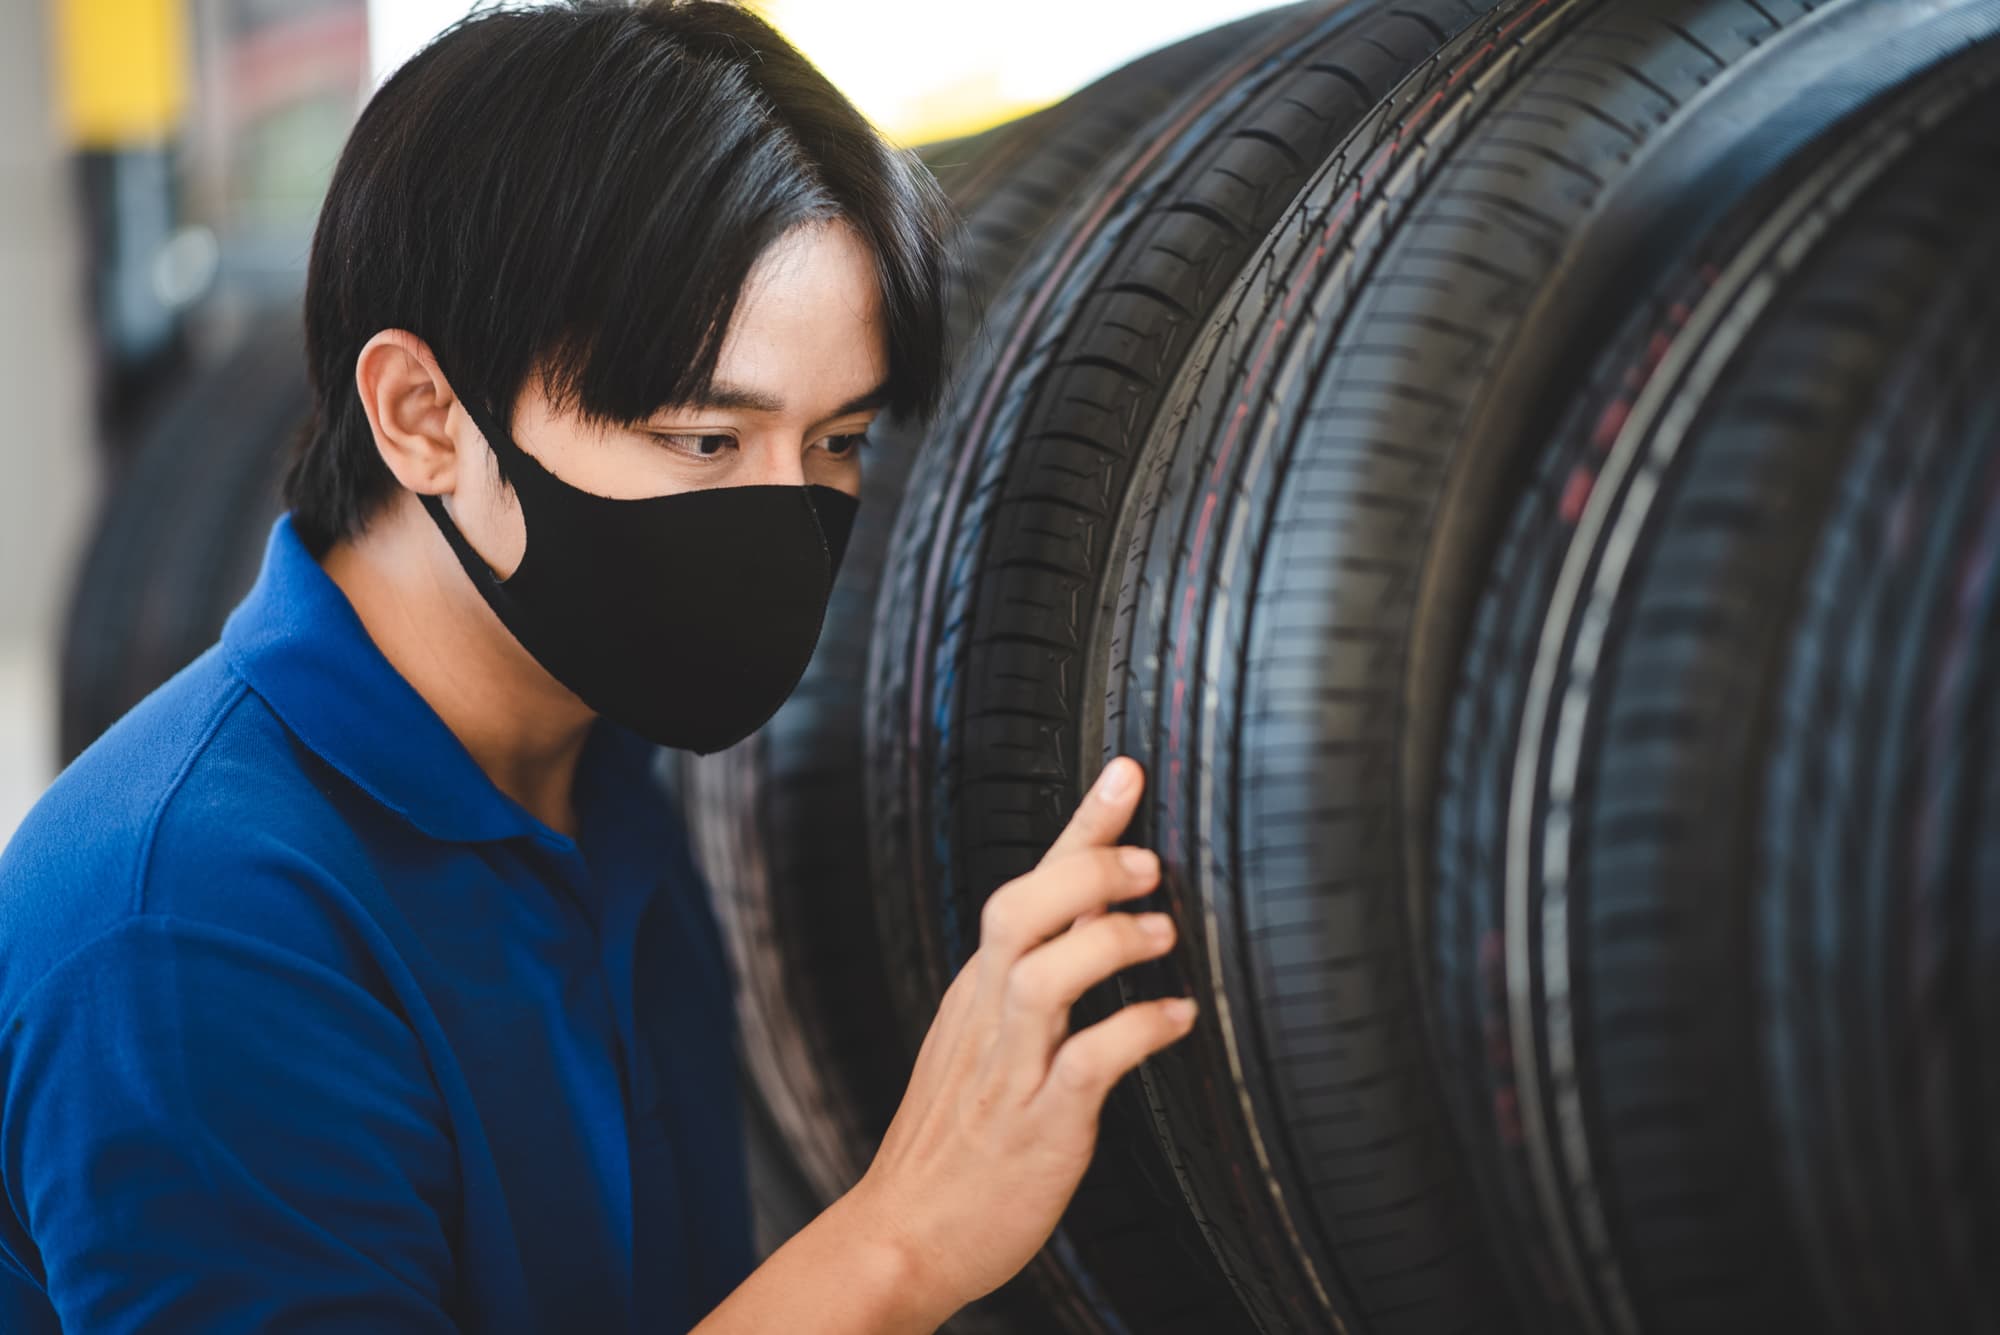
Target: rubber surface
{"x": 1879, "y": 885}
{"x": 1591, "y": 945}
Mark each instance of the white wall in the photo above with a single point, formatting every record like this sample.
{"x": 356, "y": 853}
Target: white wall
{"x": 906, "y": 63}
{"x": 47, "y": 459}
{"x": 398, "y": 29}
{"x": 900, "y": 60}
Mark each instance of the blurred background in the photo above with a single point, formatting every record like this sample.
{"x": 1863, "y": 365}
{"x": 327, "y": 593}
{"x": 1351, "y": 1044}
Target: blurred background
{"x": 161, "y": 166}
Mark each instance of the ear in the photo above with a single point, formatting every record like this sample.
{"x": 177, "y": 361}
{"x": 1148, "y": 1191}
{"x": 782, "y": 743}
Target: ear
{"x": 410, "y": 410}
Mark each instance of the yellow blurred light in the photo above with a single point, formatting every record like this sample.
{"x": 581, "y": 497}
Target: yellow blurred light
{"x": 121, "y": 70}
{"x": 924, "y": 71}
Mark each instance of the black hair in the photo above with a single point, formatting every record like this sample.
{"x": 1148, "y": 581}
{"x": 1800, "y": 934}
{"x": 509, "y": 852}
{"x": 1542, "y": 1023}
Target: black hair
{"x": 579, "y": 190}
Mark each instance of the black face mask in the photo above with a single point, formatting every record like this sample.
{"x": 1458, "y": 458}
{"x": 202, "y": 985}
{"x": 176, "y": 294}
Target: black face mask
{"x": 688, "y": 617}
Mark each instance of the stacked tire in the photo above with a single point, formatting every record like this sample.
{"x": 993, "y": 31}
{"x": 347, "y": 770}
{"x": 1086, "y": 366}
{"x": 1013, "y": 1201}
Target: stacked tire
{"x": 1735, "y": 1063}
{"x": 179, "y": 535}
{"x": 1520, "y": 478}
{"x": 1523, "y": 476}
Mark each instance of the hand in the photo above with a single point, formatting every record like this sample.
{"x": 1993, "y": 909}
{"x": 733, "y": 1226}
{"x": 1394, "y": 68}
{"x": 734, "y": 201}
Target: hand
{"x": 1000, "y": 1117}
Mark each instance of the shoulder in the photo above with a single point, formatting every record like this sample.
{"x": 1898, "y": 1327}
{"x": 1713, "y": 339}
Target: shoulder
{"x": 198, "y": 804}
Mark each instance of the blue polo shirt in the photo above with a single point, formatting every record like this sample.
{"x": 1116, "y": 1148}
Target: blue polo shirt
{"x": 306, "y": 1026}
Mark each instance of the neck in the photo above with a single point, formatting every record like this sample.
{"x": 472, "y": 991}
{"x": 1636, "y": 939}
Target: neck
{"x": 523, "y": 728}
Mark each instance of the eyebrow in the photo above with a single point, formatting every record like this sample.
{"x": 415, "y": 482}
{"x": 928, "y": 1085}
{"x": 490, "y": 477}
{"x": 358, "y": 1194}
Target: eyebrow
{"x": 722, "y": 396}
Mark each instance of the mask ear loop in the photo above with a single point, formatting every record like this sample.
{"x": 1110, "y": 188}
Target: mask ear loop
{"x": 509, "y": 458}
{"x": 506, "y": 454}
{"x": 475, "y": 564}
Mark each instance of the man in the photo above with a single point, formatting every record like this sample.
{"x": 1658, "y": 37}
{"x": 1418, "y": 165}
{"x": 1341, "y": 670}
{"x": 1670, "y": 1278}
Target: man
{"x": 359, "y": 979}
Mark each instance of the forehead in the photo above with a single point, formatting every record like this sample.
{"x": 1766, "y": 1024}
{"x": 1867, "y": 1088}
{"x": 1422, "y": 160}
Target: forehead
{"x": 816, "y": 271}
{"x": 809, "y": 328}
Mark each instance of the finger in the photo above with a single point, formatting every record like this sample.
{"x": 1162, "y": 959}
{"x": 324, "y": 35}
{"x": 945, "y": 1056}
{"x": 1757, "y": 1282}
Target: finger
{"x": 1045, "y": 983}
{"x": 1105, "y": 810}
{"x": 1033, "y": 907}
{"x": 1049, "y": 978}
{"x": 1095, "y": 1058}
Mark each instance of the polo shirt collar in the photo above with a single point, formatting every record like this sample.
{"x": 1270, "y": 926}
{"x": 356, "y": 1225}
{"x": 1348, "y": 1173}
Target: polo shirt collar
{"x": 300, "y": 645}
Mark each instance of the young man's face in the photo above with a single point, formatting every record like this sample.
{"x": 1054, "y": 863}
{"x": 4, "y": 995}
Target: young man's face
{"x": 798, "y": 379}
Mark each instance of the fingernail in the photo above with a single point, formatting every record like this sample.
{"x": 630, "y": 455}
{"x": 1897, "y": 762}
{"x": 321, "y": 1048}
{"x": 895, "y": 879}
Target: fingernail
{"x": 1181, "y": 1009}
{"x": 1138, "y": 861}
{"x": 1116, "y": 780}
{"x": 1157, "y": 924}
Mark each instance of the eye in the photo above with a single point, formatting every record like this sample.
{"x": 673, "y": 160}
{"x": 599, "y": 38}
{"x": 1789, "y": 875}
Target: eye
{"x": 694, "y": 445}
{"x": 846, "y": 447}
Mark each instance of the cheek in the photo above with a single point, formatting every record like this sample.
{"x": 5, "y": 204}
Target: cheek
{"x": 627, "y": 465}
{"x": 840, "y": 474}
{"x": 604, "y": 460}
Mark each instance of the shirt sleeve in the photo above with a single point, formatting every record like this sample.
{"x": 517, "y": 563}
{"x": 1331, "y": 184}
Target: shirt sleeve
{"x": 202, "y": 1131}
